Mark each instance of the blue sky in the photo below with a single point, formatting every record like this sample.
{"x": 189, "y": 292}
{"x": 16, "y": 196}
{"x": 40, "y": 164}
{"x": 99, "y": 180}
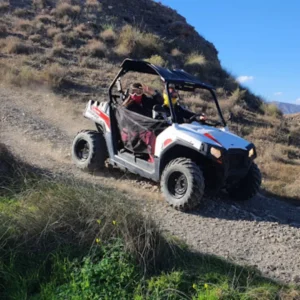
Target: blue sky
{"x": 259, "y": 40}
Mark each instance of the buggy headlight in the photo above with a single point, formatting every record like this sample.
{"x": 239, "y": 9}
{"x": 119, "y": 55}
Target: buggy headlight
{"x": 215, "y": 152}
{"x": 251, "y": 153}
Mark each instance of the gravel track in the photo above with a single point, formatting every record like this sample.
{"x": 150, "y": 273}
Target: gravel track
{"x": 264, "y": 232}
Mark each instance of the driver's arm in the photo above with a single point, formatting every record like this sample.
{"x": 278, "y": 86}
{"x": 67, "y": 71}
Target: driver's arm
{"x": 187, "y": 114}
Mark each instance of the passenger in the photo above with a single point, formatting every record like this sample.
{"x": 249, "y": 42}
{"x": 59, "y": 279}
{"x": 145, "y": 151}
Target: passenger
{"x": 139, "y": 102}
{"x": 182, "y": 114}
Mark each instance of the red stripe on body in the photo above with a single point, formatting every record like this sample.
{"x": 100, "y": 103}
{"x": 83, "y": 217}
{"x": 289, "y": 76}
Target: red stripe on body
{"x": 208, "y": 135}
{"x": 167, "y": 142}
{"x": 102, "y": 115}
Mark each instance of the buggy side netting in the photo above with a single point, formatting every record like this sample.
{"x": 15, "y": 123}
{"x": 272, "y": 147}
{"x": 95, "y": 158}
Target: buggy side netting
{"x": 138, "y": 133}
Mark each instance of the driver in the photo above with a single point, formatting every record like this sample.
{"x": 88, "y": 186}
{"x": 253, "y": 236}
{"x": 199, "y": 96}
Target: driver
{"x": 139, "y": 102}
{"x": 182, "y": 113}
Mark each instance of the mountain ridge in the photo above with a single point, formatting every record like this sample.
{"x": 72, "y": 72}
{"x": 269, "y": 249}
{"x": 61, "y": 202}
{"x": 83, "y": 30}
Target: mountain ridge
{"x": 287, "y": 108}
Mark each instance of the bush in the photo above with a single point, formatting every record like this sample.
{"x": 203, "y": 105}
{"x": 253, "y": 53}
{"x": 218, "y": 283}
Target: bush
{"x": 24, "y": 25}
{"x": 53, "y": 31}
{"x": 17, "y": 46}
{"x": 55, "y": 76}
{"x": 195, "y": 59}
{"x": 109, "y": 271}
{"x": 94, "y": 49}
{"x": 157, "y": 60}
{"x": 176, "y": 52}
{"x": 83, "y": 31}
{"x": 22, "y": 12}
{"x": 36, "y": 38}
{"x": 38, "y": 4}
{"x": 4, "y": 7}
{"x": 108, "y": 35}
{"x": 131, "y": 41}
{"x": 19, "y": 76}
{"x": 45, "y": 19}
{"x": 271, "y": 110}
{"x": 93, "y": 4}
{"x": 66, "y": 39}
{"x": 66, "y": 9}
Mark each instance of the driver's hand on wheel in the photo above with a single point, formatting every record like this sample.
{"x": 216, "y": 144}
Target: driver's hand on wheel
{"x": 202, "y": 117}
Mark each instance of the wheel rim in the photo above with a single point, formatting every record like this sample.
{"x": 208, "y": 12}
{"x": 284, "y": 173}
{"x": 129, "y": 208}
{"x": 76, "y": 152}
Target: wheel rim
{"x": 82, "y": 150}
{"x": 177, "y": 184}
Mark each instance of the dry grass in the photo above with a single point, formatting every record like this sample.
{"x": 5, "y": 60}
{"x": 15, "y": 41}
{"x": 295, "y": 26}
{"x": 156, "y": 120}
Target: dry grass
{"x": 55, "y": 76}
{"x": 66, "y": 39}
{"x": 195, "y": 59}
{"x": 17, "y": 46}
{"x": 66, "y": 9}
{"x": 134, "y": 42}
{"x": 271, "y": 110}
{"x": 93, "y": 4}
{"x": 58, "y": 51}
{"x": 94, "y": 49}
{"x": 19, "y": 75}
{"x": 36, "y": 38}
{"x": 39, "y": 3}
{"x": 83, "y": 31}
{"x": 45, "y": 19}
{"x": 108, "y": 35}
{"x": 53, "y": 31}
{"x": 3, "y": 30}
{"x": 4, "y": 7}
{"x": 24, "y": 25}
{"x": 22, "y": 12}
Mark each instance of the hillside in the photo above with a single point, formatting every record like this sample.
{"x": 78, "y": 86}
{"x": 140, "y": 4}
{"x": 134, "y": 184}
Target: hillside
{"x": 288, "y": 108}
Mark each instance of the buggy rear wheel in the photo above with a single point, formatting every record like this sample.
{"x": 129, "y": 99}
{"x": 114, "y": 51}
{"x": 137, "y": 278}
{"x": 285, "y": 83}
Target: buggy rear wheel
{"x": 182, "y": 184}
{"x": 247, "y": 187}
{"x": 89, "y": 150}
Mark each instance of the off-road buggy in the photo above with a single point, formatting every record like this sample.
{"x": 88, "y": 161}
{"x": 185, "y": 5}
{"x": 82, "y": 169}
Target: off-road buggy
{"x": 189, "y": 159}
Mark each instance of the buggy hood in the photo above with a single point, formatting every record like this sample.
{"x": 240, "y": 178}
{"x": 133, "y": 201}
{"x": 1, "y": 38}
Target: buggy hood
{"x": 211, "y": 135}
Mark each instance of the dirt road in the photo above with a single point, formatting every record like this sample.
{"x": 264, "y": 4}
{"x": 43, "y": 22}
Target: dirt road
{"x": 39, "y": 127}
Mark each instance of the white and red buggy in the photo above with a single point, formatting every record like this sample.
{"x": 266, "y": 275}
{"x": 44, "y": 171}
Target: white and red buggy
{"x": 189, "y": 159}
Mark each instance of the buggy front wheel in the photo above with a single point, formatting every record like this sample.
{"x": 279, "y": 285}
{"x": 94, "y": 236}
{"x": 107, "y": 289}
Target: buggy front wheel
{"x": 182, "y": 184}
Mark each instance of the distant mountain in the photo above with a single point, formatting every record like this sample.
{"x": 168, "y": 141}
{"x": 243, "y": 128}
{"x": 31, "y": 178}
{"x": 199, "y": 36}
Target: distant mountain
{"x": 287, "y": 108}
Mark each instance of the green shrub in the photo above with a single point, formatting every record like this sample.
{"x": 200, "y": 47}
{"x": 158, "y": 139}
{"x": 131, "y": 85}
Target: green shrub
{"x": 109, "y": 271}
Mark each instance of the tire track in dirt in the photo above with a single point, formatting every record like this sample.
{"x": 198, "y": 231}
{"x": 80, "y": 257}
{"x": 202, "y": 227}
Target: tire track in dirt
{"x": 263, "y": 232}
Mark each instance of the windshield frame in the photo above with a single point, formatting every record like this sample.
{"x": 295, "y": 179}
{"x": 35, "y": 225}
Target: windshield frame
{"x": 193, "y": 88}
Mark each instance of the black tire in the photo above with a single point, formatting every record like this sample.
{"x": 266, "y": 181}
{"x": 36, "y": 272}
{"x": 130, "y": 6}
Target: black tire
{"x": 182, "y": 184}
{"x": 89, "y": 150}
{"x": 247, "y": 187}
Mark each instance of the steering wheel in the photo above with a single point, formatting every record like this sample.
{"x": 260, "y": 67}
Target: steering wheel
{"x": 194, "y": 118}
{"x": 210, "y": 123}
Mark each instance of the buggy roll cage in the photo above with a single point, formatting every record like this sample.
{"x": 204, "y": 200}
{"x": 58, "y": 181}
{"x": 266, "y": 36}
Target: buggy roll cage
{"x": 181, "y": 79}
